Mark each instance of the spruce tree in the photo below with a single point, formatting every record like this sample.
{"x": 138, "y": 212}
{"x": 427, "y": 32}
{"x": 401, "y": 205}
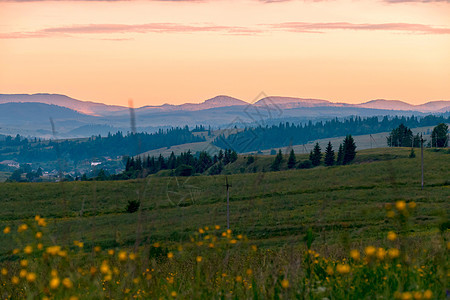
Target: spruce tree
{"x": 329, "y": 155}
{"x": 349, "y": 150}
{"x": 340, "y": 155}
{"x": 291, "y": 161}
{"x": 277, "y": 161}
{"x": 316, "y": 156}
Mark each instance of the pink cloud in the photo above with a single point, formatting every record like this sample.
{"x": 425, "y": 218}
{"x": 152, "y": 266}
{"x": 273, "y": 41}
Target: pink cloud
{"x": 322, "y": 27}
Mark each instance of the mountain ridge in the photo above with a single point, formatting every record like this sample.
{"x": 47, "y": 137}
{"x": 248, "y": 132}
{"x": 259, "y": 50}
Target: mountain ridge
{"x": 280, "y": 102}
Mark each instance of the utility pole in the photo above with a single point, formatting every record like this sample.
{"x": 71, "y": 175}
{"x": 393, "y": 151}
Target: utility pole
{"x": 228, "y": 202}
{"x": 421, "y": 151}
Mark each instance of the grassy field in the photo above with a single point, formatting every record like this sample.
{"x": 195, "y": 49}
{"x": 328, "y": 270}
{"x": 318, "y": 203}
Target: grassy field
{"x": 336, "y": 208}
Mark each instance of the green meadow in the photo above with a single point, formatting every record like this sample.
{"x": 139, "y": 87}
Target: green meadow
{"x": 326, "y": 210}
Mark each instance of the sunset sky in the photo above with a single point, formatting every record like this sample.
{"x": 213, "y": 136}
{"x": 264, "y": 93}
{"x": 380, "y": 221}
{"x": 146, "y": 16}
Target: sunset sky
{"x": 173, "y": 51}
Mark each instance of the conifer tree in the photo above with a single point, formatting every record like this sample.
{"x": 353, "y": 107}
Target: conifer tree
{"x": 329, "y": 155}
{"x": 316, "y": 156}
{"x": 349, "y": 149}
{"x": 277, "y": 161}
{"x": 340, "y": 155}
{"x": 291, "y": 161}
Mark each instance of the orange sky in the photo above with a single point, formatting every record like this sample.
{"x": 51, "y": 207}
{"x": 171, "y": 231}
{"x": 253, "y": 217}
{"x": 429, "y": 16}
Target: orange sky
{"x": 159, "y": 52}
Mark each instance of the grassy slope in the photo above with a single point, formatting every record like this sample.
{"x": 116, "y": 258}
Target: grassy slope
{"x": 272, "y": 208}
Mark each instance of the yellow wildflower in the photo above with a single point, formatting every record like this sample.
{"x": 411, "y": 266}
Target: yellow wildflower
{"x": 22, "y": 228}
{"x": 343, "y": 268}
{"x": 42, "y": 222}
{"x": 28, "y": 250}
{"x": 427, "y": 294}
{"x": 38, "y": 235}
{"x": 392, "y": 236}
{"x": 31, "y": 277}
{"x": 122, "y": 255}
{"x": 54, "y": 283}
{"x": 199, "y": 259}
{"x": 400, "y": 205}
{"x": 4, "y": 272}
{"x": 110, "y": 252}
{"x": 97, "y": 249}
{"x": 390, "y": 214}
{"x": 412, "y": 205}
{"x": 285, "y": 283}
{"x": 233, "y": 241}
{"x": 15, "y": 280}
{"x": 393, "y": 253}
{"x": 23, "y": 273}
{"x": 132, "y": 256}
{"x": 7, "y": 230}
{"x": 329, "y": 270}
{"x": 67, "y": 283}
{"x": 40, "y": 246}
{"x": 24, "y": 263}
{"x": 201, "y": 230}
{"x": 381, "y": 253}
{"x": 74, "y": 298}
{"x": 217, "y": 227}
{"x": 417, "y": 295}
{"x": 406, "y": 296}
{"x": 173, "y": 294}
{"x": 170, "y": 255}
{"x": 355, "y": 254}
{"x": 238, "y": 278}
{"x": 249, "y": 272}
{"x": 370, "y": 250}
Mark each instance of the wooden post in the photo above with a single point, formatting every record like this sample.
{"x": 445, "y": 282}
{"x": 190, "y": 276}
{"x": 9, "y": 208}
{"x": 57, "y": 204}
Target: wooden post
{"x": 421, "y": 151}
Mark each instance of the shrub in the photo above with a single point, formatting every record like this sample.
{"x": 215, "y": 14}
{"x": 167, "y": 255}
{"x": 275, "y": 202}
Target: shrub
{"x": 133, "y": 206}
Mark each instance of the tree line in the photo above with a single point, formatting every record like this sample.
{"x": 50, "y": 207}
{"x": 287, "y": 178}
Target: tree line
{"x": 185, "y": 164}
{"x": 118, "y": 144}
{"x": 346, "y": 154}
{"x": 284, "y": 134}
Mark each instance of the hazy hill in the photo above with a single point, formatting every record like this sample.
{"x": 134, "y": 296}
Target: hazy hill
{"x": 85, "y": 107}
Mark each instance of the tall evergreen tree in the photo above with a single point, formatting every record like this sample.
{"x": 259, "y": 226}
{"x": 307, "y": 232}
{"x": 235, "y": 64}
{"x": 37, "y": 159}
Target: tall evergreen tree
{"x": 292, "y": 160}
{"x": 315, "y": 156}
{"x": 340, "y": 155}
{"x": 329, "y": 155}
{"x": 172, "y": 161}
{"x": 277, "y": 161}
{"x": 349, "y": 149}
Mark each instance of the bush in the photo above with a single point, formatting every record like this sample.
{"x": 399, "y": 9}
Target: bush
{"x": 133, "y": 206}
{"x": 184, "y": 170}
{"x": 306, "y": 164}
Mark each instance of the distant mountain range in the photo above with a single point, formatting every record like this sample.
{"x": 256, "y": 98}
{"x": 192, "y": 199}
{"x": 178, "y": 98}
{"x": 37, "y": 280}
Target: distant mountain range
{"x": 29, "y": 114}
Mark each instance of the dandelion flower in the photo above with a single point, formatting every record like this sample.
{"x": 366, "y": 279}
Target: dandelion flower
{"x": 370, "y": 250}
{"x": 406, "y": 296}
{"x": 156, "y": 245}
{"x": 132, "y": 256}
{"x": 110, "y": 252}
{"x": 170, "y": 255}
{"x": 392, "y": 236}
{"x": 427, "y": 294}
{"x": 40, "y": 246}
{"x": 390, "y": 214}
{"x": 233, "y": 241}
{"x": 97, "y": 249}
{"x": 238, "y": 278}
{"x": 249, "y": 272}
{"x": 285, "y": 283}
{"x": 7, "y": 230}
{"x": 67, "y": 283}
{"x": 31, "y": 277}
{"x": 23, "y": 273}
{"x": 24, "y": 263}
{"x": 201, "y": 230}
{"x": 22, "y": 228}
{"x": 15, "y": 280}
{"x": 28, "y": 250}
{"x": 393, "y": 253}
{"x": 329, "y": 270}
{"x": 199, "y": 259}
{"x": 381, "y": 253}
{"x": 217, "y": 227}
{"x": 122, "y": 256}
{"x": 417, "y": 295}
{"x": 355, "y": 254}
{"x": 400, "y": 205}
{"x": 38, "y": 235}
{"x": 343, "y": 268}
{"x": 4, "y": 272}
{"x": 74, "y": 298}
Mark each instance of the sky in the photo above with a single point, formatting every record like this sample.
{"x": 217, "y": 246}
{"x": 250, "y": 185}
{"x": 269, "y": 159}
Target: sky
{"x": 178, "y": 51}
